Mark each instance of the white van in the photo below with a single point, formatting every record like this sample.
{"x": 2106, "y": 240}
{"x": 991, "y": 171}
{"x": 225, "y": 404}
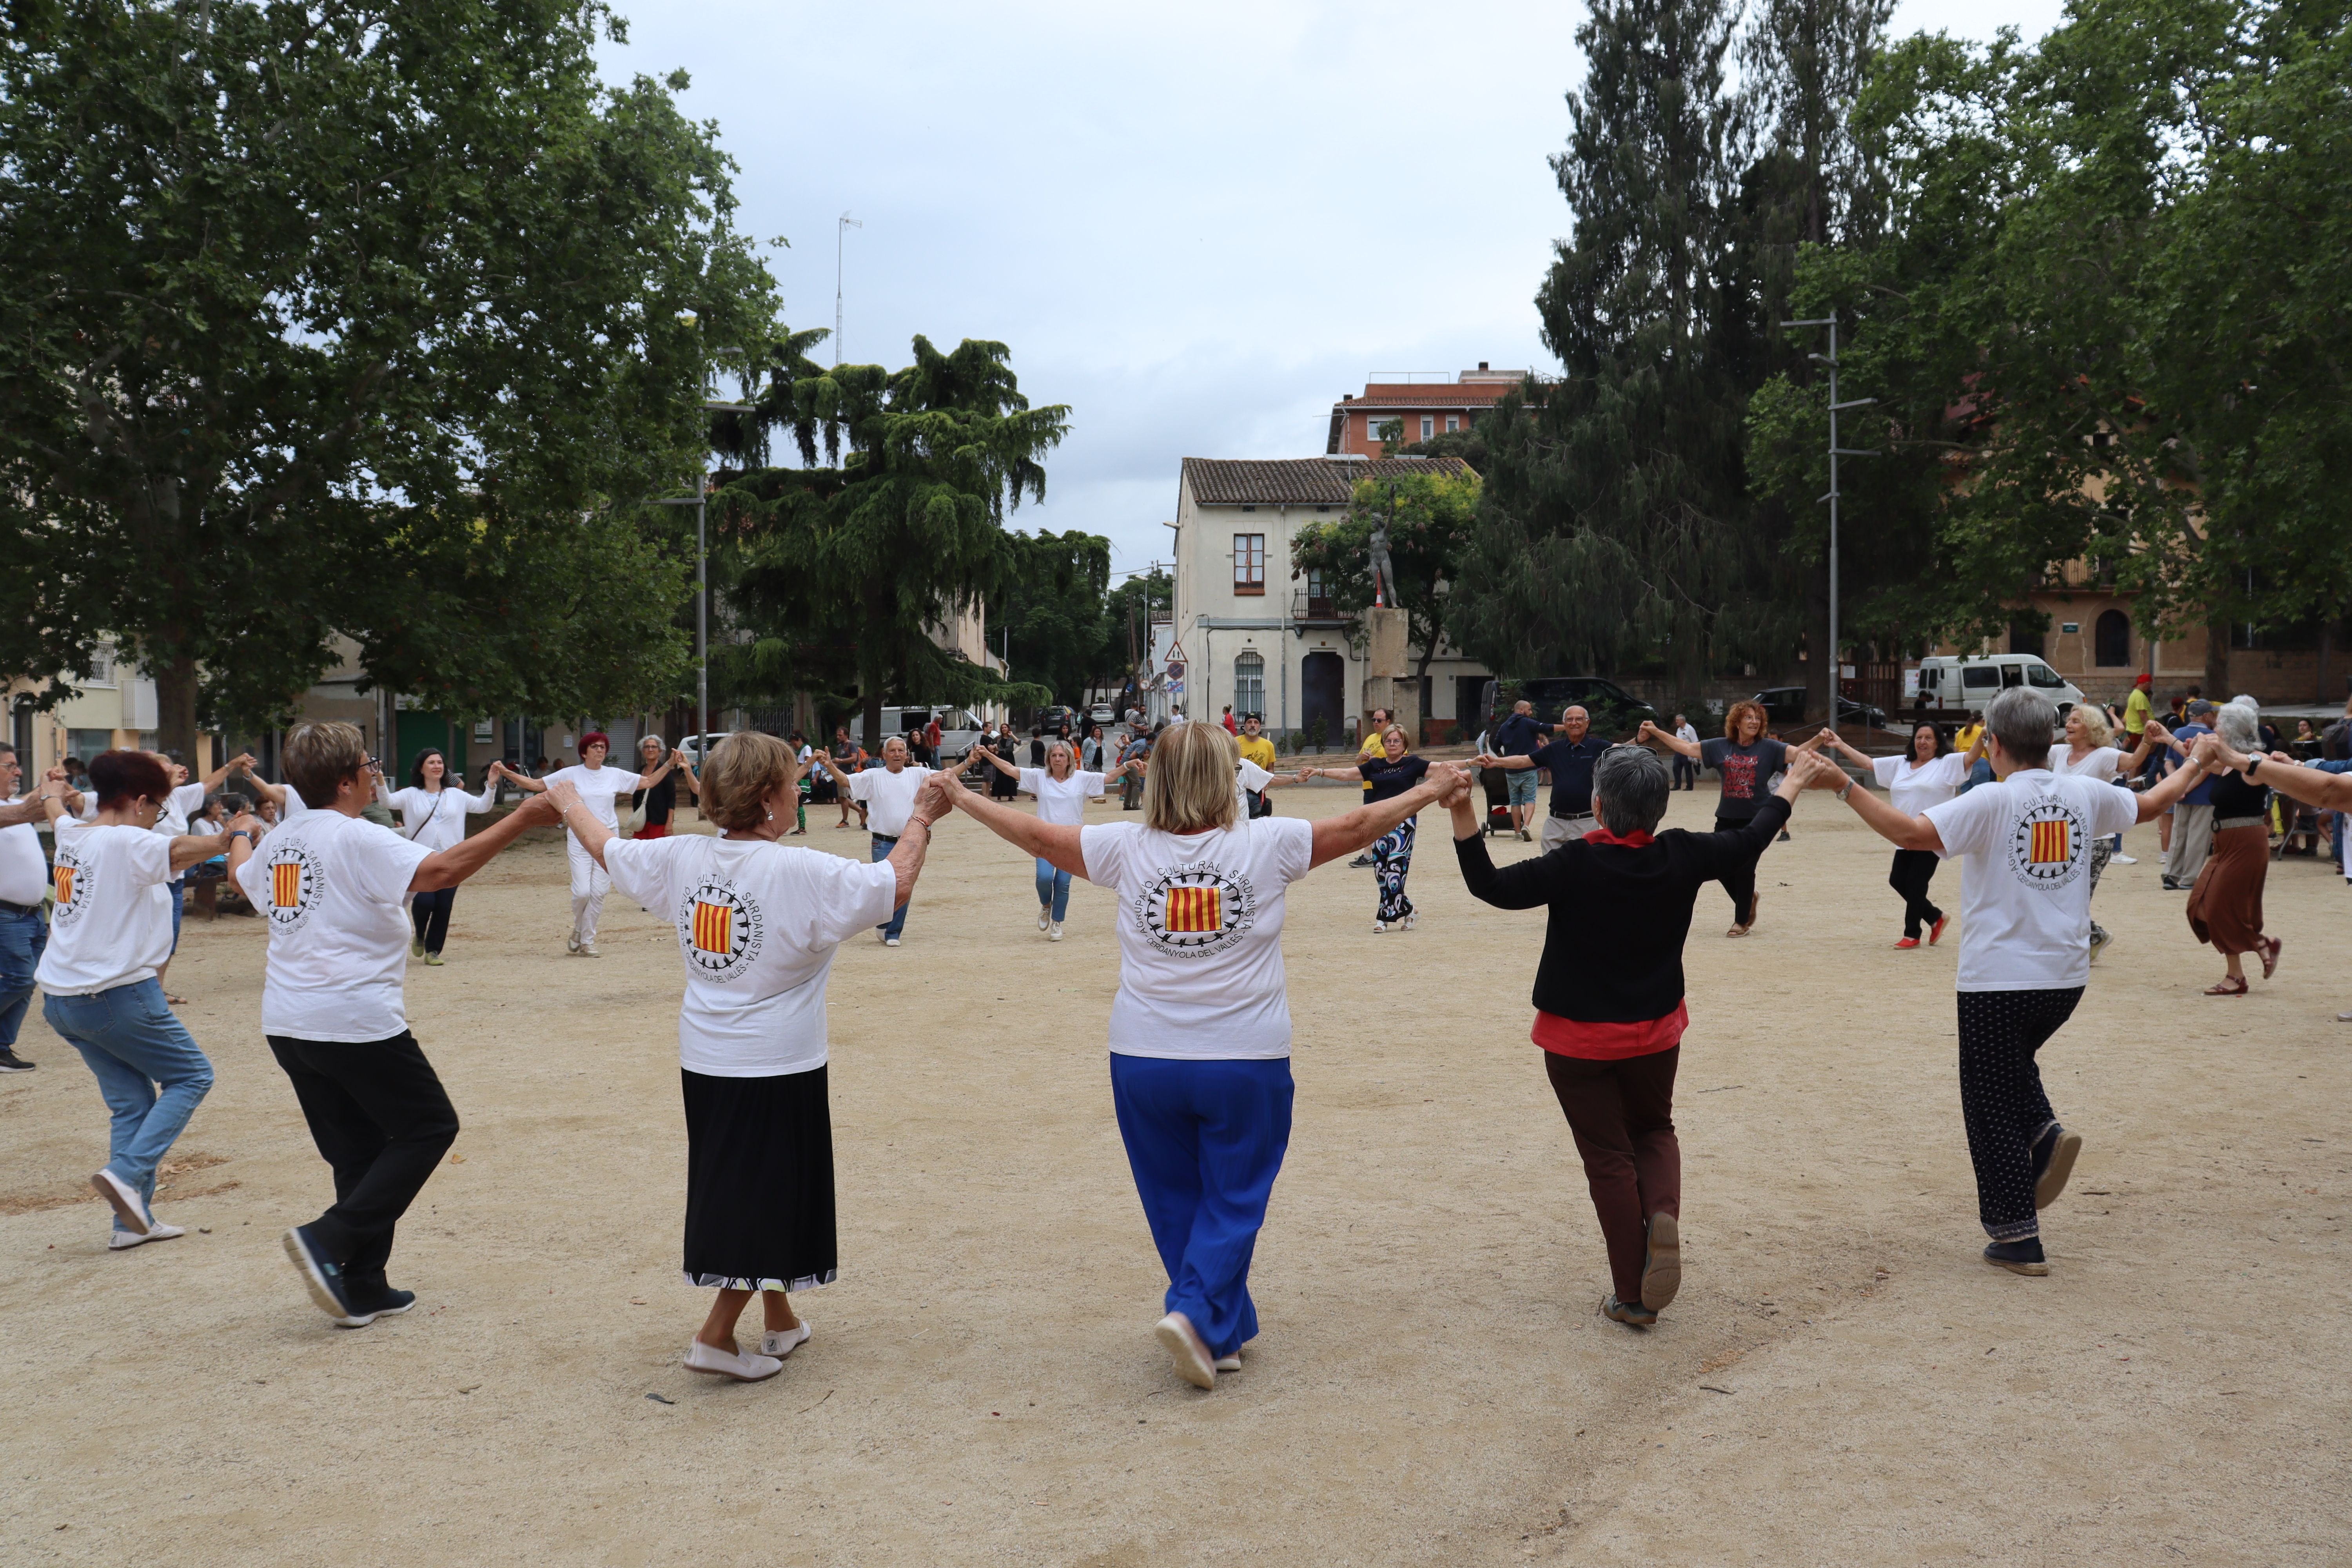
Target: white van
{"x": 1964, "y": 683}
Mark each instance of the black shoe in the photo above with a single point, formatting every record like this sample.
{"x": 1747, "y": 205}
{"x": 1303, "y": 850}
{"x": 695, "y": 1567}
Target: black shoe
{"x": 2171, "y": 884}
{"x": 1362, "y": 860}
{"x": 2054, "y": 1162}
{"x": 2018, "y": 1256}
{"x": 382, "y": 1303}
{"x": 11, "y": 1062}
{"x": 1632, "y": 1313}
{"x": 1661, "y": 1264}
{"x": 323, "y": 1275}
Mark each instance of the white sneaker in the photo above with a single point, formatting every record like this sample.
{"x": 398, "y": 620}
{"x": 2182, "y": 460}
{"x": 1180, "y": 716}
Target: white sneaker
{"x": 126, "y": 1201}
{"x": 783, "y": 1343}
{"x": 123, "y": 1241}
{"x": 571, "y": 942}
{"x": 1378, "y": 927}
{"x": 889, "y": 941}
{"x": 1412, "y": 920}
{"x": 588, "y": 949}
{"x": 700, "y": 1357}
{"x": 1055, "y": 933}
{"x": 1194, "y": 1362}
{"x": 1044, "y": 916}
{"x": 2121, "y": 859}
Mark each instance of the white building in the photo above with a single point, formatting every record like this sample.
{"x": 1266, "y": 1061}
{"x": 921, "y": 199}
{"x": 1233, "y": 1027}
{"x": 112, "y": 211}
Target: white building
{"x": 1251, "y": 635}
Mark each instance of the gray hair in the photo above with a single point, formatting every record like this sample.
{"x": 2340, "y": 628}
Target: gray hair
{"x": 2241, "y": 724}
{"x": 1629, "y": 789}
{"x": 649, "y": 735}
{"x": 2021, "y": 719}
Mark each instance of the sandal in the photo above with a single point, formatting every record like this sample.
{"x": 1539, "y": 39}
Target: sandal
{"x": 2226, "y": 987}
{"x": 2270, "y": 951}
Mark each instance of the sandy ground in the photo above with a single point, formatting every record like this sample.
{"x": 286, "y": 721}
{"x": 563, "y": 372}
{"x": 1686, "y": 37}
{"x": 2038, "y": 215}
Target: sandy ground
{"x": 1842, "y": 1380}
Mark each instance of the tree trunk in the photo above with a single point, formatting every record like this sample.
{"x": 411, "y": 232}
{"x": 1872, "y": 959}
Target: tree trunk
{"x": 2217, "y": 661}
{"x": 176, "y": 710}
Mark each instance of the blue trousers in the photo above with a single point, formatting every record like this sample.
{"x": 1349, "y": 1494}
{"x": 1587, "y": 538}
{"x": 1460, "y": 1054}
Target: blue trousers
{"x": 898, "y": 920}
{"x": 1054, "y": 888}
{"x": 179, "y": 886}
{"x": 1206, "y": 1140}
{"x": 22, "y": 938}
{"x": 133, "y": 1044}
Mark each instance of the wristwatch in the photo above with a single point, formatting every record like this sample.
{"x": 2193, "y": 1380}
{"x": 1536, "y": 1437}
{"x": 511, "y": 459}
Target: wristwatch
{"x": 1847, "y": 790}
{"x": 2254, "y": 762}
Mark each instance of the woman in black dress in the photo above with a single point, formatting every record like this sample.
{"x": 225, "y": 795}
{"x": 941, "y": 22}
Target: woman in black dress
{"x": 1388, "y": 776}
{"x": 660, "y": 802}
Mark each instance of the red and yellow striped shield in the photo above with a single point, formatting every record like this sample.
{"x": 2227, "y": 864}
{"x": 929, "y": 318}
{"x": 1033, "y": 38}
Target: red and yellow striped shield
{"x": 2050, "y": 846}
{"x": 286, "y": 884}
{"x": 714, "y": 927}
{"x": 65, "y": 885}
{"x": 1196, "y": 910}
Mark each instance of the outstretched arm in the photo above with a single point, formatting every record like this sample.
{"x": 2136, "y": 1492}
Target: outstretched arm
{"x": 522, "y": 781}
{"x": 993, "y": 761}
{"x": 1351, "y": 830}
{"x": 448, "y": 867}
{"x": 1810, "y": 770}
{"x": 1650, "y": 732}
{"x": 1055, "y": 842}
{"x": 1345, "y": 776}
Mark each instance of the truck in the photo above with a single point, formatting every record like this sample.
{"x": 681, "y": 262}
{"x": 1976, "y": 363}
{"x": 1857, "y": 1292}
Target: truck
{"x": 1964, "y": 683}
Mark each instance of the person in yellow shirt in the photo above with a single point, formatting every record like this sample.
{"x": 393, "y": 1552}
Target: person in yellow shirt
{"x": 2136, "y": 708}
{"x": 1966, "y": 740}
{"x": 1375, "y": 748}
{"x": 1255, "y": 747}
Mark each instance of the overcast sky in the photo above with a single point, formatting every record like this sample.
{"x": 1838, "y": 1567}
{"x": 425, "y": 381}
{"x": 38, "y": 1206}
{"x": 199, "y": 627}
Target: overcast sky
{"x": 1197, "y": 225}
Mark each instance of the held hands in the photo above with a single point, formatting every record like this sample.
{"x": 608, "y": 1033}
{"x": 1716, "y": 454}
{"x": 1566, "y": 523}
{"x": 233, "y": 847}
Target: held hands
{"x": 549, "y": 804}
{"x": 1810, "y": 770}
{"x": 1452, "y": 782}
{"x": 246, "y": 822}
{"x": 939, "y": 795}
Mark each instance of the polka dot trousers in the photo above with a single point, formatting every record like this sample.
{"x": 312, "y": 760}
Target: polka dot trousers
{"x": 2001, "y": 1099}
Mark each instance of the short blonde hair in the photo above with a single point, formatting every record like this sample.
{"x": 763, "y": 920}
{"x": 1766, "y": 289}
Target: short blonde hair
{"x": 746, "y": 768}
{"x": 1398, "y": 731}
{"x": 2094, "y": 723}
{"x": 320, "y": 757}
{"x": 1189, "y": 787}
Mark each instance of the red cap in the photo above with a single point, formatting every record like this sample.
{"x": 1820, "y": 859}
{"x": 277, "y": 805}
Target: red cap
{"x": 2145, "y": 680}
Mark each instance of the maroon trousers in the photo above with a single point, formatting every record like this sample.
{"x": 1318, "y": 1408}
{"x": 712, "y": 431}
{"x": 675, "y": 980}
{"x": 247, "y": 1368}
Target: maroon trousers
{"x": 1623, "y": 1114}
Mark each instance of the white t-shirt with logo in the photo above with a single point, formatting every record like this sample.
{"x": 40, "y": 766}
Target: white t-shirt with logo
{"x": 1064, "y": 800}
{"x": 2025, "y": 894}
{"x": 888, "y": 797}
{"x": 1913, "y": 787}
{"x": 438, "y": 819}
{"x": 23, "y": 873}
{"x": 112, "y": 923}
{"x": 172, "y": 820}
{"x": 1200, "y": 935}
{"x": 335, "y": 890}
{"x": 597, "y": 787}
{"x": 757, "y": 926}
{"x": 2099, "y": 763}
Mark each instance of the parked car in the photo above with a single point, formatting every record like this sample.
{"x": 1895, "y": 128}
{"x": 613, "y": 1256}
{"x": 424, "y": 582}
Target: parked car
{"x": 1615, "y": 712}
{"x": 1103, "y": 713}
{"x": 1051, "y": 720}
{"x": 1786, "y": 705}
{"x": 695, "y": 746}
{"x": 1964, "y": 683}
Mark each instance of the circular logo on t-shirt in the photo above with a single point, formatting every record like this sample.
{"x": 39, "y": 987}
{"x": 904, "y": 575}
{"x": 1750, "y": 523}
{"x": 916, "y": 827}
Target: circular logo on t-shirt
{"x": 296, "y": 882}
{"x": 70, "y": 880}
{"x": 2045, "y": 848}
{"x": 718, "y": 929}
{"x": 1195, "y": 911}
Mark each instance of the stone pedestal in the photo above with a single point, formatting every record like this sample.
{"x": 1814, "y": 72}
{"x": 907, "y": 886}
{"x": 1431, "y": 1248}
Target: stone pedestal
{"x": 1388, "y": 680}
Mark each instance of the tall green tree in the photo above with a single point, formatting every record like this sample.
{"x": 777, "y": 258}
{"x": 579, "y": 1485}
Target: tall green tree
{"x": 1429, "y": 517}
{"x": 903, "y": 529}
{"x": 346, "y": 317}
{"x": 1050, "y": 600}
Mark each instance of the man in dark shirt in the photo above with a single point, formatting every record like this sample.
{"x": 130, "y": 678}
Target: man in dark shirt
{"x": 1519, "y": 736}
{"x": 1569, "y": 761}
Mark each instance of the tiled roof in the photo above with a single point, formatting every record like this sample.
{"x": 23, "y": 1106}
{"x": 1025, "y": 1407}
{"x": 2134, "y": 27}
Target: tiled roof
{"x": 1433, "y": 394}
{"x": 1296, "y": 481}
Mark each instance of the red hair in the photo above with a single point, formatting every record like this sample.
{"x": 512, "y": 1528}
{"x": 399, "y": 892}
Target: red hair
{"x": 595, "y": 738}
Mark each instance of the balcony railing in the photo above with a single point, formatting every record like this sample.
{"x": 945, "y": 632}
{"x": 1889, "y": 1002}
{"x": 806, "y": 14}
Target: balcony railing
{"x": 1315, "y": 609}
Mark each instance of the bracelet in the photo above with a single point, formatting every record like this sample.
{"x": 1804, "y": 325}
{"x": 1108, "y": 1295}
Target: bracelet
{"x": 1847, "y": 790}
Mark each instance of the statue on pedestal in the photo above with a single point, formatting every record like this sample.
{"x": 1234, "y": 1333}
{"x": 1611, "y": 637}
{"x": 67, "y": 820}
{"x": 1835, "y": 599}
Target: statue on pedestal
{"x": 1384, "y": 572}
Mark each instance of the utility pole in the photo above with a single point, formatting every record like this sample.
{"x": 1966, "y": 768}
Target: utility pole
{"x": 1836, "y": 451}
{"x": 840, "y": 238}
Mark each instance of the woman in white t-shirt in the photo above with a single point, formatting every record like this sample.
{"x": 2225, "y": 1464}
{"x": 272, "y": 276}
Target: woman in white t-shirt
{"x": 1929, "y": 775}
{"x": 1062, "y": 794}
{"x": 110, "y": 937}
{"x": 433, "y": 811}
{"x": 757, "y": 926}
{"x": 1200, "y": 1030}
{"x": 2091, "y": 754}
{"x": 596, "y": 786}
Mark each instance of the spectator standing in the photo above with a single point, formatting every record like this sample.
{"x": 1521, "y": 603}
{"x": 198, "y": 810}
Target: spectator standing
{"x": 1258, "y": 752}
{"x": 1686, "y": 765}
{"x": 1519, "y": 735}
{"x": 1138, "y": 748}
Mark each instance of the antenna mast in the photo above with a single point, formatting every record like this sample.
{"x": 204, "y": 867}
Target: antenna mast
{"x": 840, "y": 237}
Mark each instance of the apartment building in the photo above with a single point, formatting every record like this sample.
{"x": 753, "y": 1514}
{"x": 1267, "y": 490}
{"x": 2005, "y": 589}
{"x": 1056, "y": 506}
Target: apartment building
{"x": 1420, "y": 404}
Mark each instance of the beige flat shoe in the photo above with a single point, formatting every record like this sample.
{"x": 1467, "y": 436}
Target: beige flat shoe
{"x": 1194, "y": 1362}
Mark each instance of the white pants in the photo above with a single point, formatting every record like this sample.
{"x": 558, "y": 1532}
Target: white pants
{"x": 1558, "y": 830}
{"x": 590, "y": 883}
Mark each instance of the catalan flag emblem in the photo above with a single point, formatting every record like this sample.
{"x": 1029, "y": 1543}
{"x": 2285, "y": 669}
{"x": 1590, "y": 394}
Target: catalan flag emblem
{"x": 714, "y": 927}
{"x": 286, "y": 884}
{"x": 65, "y": 884}
{"x": 1196, "y": 910}
{"x": 2049, "y": 846}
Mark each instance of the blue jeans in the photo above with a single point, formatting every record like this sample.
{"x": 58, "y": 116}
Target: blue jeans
{"x": 22, "y": 938}
{"x": 179, "y": 886}
{"x": 133, "y": 1044}
{"x": 898, "y": 920}
{"x": 1206, "y": 1140}
{"x": 1054, "y": 888}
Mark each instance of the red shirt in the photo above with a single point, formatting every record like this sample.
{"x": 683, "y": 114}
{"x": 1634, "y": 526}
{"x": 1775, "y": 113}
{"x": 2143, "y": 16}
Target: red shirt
{"x": 1611, "y": 1042}
{"x": 1231, "y": 728}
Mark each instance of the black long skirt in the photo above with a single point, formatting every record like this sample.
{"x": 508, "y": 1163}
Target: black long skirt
{"x": 759, "y": 1182}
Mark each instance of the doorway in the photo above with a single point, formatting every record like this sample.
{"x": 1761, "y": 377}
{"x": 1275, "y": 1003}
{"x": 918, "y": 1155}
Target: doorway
{"x": 1323, "y": 695}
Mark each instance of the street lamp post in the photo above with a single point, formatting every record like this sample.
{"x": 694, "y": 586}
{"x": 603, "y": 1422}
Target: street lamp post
{"x": 699, "y": 502}
{"x": 1836, "y": 451}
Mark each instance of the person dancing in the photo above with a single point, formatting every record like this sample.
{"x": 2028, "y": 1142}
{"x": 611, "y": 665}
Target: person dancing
{"x": 1746, "y": 758}
{"x": 1929, "y": 776}
{"x": 884, "y": 797}
{"x": 2225, "y": 902}
{"x": 2091, "y": 754}
{"x": 1568, "y": 760}
{"x": 332, "y": 885}
{"x": 597, "y": 786}
{"x": 109, "y": 939}
{"x": 658, "y": 800}
{"x": 1385, "y": 778}
{"x": 1200, "y": 1029}
{"x": 1062, "y": 794}
{"x": 433, "y": 811}
{"x": 758, "y": 924}
{"x": 1609, "y": 995}
{"x": 2025, "y": 952}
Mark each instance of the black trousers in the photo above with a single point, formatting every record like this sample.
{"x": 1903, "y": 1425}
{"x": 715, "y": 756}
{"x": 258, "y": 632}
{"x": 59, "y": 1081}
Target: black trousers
{"x": 2001, "y": 1099}
{"x": 1914, "y": 870}
{"x": 1740, "y": 883}
{"x": 1685, "y": 772}
{"x": 382, "y": 1121}
{"x": 431, "y": 913}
